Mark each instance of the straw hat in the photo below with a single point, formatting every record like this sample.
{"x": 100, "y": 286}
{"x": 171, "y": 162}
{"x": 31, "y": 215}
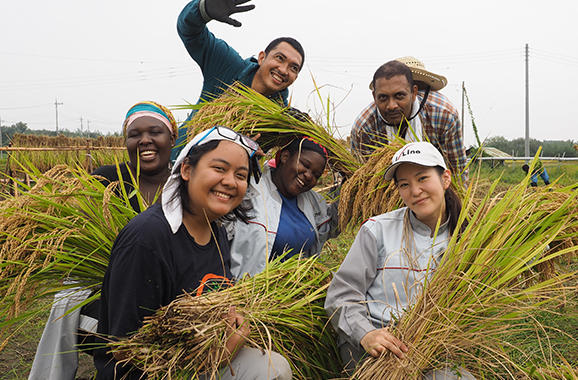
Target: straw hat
{"x": 437, "y": 82}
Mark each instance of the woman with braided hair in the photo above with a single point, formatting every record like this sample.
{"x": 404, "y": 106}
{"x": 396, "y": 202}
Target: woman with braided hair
{"x": 287, "y": 214}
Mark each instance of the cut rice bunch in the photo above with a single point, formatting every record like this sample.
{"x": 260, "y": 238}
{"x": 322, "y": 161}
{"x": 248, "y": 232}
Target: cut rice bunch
{"x": 479, "y": 294}
{"x": 57, "y": 235}
{"x": 283, "y": 304}
{"x": 366, "y": 193}
{"x": 248, "y": 112}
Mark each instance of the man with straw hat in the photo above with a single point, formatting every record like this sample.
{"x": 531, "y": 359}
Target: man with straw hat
{"x": 407, "y": 104}
{"x": 270, "y": 74}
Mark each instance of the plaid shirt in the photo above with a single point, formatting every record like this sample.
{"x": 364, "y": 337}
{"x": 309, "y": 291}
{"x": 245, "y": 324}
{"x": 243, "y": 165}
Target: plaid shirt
{"x": 440, "y": 123}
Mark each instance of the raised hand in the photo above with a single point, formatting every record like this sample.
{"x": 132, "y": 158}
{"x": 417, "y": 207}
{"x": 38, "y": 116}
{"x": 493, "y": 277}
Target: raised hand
{"x": 221, "y": 10}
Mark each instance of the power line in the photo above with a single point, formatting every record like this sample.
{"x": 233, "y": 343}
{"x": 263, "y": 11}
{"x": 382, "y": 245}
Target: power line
{"x": 26, "y": 107}
{"x": 103, "y": 80}
{"x": 85, "y": 59}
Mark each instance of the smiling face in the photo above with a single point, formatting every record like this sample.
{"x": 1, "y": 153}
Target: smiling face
{"x": 394, "y": 97}
{"x": 298, "y": 172}
{"x": 277, "y": 70}
{"x": 422, "y": 189}
{"x": 149, "y": 143}
{"x": 218, "y": 182}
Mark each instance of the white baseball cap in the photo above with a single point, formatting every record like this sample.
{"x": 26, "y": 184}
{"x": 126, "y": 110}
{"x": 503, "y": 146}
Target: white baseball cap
{"x": 419, "y": 153}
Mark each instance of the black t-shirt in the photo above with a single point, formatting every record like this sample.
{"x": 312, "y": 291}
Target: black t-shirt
{"x": 149, "y": 267}
{"x": 110, "y": 174}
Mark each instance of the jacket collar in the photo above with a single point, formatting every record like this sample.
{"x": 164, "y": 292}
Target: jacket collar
{"x": 421, "y": 229}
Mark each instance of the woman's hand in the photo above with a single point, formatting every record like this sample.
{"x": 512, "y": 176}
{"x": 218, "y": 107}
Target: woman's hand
{"x": 377, "y": 341}
{"x": 238, "y": 331}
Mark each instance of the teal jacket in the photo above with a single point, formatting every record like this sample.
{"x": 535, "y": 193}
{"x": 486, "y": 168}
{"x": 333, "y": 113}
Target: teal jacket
{"x": 220, "y": 63}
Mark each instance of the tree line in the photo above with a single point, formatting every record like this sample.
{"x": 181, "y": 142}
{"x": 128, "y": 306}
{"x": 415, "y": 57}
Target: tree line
{"x": 22, "y": 128}
{"x": 516, "y": 147}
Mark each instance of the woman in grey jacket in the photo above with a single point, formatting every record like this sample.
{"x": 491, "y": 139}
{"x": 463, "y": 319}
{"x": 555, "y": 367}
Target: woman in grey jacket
{"x": 287, "y": 213}
{"x": 391, "y": 256}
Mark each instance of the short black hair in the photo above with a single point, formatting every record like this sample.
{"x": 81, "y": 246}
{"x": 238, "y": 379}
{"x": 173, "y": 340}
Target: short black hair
{"x": 391, "y": 69}
{"x": 291, "y": 41}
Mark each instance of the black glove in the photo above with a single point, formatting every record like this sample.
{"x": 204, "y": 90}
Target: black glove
{"x": 220, "y": 10}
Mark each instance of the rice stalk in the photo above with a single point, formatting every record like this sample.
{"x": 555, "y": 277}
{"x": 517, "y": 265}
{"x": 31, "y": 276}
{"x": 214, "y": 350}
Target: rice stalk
{"x": 57, "y": 235}
{"x": 366, "y": 194}
{"x": 284, "y": 305}
{"x": 485, "y": 287}
{"x": 248, "y": 112}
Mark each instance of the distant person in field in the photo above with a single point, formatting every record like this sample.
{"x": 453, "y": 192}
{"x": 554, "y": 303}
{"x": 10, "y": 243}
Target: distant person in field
{"x": 539, "y": 169}
{"x": 407, "y": 103}
{"x": 150, "y": 131}
{"x": 270, "y": 74}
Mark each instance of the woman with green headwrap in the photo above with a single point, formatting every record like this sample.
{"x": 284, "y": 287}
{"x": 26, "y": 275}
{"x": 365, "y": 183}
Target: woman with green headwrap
{"x": 150, "y": 132}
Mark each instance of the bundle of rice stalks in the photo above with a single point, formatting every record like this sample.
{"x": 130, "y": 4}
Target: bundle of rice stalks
{"x": 284, "y": 305}
{"x": 366, "y": 193}
{"x": 479, "y": 294}
{"x": 57, "y": 235}
{"x": 246, "y": 111}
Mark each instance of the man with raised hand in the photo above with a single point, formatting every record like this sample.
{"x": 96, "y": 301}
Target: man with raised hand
{"x": 271, "y": 73}
{"x": 407, "y": 103}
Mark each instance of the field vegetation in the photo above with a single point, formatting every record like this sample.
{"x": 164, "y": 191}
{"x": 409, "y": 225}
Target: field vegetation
{"x": 556, "y": 325}
{"x": 551, "y": 330}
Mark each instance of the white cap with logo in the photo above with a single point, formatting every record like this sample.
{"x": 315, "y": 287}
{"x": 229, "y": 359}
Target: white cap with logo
{"x": 419, "y": 153}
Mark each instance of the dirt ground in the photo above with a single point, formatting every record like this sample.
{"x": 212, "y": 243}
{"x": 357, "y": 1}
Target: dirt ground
{"x": 17, "y": 357}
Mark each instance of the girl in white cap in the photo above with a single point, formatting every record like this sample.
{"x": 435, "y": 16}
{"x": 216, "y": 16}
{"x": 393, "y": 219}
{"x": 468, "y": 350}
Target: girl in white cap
{"x": 386, "y": 266}
{"x": 177, "y": 246}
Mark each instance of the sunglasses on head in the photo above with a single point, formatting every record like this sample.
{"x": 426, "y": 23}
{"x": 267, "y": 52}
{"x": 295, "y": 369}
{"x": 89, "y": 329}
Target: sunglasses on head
{"x": 219, "y": 133}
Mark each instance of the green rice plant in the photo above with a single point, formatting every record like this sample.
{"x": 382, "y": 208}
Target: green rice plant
{"x": 284, "y": 305}
{"x": 246, "y": 111}
{"x": 57, "y": 235}
{"x": 486, "y": 287}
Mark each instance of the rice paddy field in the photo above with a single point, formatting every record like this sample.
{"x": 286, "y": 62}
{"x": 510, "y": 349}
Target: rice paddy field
{"x": 556, "y": 324}
{"x": 502, "y": 302}
{"x": 552, "y": 329}
{"x": 88, "y": 153}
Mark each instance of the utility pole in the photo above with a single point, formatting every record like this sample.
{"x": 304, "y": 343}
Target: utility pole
{"x": 87, "y": 128}
{"x": 56, "y": 104}
{"x": 527, "y": 142}
{"x": 81, "y": 126}
{"x": 463, "y": 95}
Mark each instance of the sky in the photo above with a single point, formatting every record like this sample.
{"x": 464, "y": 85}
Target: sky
{"x": 96, "y": 59}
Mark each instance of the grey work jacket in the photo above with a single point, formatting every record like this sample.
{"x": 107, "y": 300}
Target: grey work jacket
{"x": 379, "y": 278}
